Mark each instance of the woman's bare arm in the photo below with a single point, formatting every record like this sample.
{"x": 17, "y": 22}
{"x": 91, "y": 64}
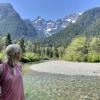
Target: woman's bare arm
{"x": 1, "y": 69}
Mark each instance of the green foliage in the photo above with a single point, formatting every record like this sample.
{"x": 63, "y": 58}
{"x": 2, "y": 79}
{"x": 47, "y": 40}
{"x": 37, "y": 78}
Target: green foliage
{"x": 49, "y": 52}
{"x": 2, "y": 43}
{"x": 93, "y": 57}
{"x": 83, "y": 49}
{"x": 74, "y": 50}
{"x": 30, "y": 57}
{"x": 94, "y": 50}
{"x": 2, "y": 55}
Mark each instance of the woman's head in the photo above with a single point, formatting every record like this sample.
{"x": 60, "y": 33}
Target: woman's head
{"x": 13, "y": 52}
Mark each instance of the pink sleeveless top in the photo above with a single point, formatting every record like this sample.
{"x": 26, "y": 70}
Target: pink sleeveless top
{"x": 11, "y": 85}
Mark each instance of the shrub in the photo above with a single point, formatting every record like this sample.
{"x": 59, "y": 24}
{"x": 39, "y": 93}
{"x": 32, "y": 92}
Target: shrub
{"x": 74, "y": 52}
{"x": 93, "y": 57}
{"x": 2, "y": 55}
{"x": 82, "y": 49}
{"x": 30, "y": 57}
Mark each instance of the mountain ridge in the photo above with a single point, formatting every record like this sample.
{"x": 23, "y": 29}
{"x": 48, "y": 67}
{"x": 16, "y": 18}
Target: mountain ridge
{"x": 50, "y": 27}
{"x": 87, "y": 24}
{"x": 11, "y": 22}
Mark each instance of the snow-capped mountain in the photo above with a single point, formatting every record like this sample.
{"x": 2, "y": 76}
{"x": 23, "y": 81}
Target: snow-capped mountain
{"x": 51, "y": 27}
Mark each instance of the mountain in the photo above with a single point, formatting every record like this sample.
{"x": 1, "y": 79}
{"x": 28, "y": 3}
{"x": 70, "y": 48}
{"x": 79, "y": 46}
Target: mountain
{"x": 11, "y": 22}
{"x": 87, "y": 24}
{"x": 37, "y": 29}
{"x": 51, "y": 27}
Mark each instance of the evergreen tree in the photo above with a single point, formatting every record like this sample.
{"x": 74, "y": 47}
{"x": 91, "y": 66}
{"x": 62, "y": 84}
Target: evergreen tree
{"x": 61, "y": 51}
{"x": 42, "y": 51}
{"x": 55, "y": 52}
{"x": 22, "y": 45}
{"x": 35, "y": 47}
{"x": 29, "y": 47}
{"x": 8, "y": 39}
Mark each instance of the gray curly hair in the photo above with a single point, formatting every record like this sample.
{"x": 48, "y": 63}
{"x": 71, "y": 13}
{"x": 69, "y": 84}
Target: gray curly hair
{"x": 12, "y": 49}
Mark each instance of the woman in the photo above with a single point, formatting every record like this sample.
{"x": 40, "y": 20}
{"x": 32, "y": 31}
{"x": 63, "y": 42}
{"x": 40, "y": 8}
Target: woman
{"x": 10, "y": 75}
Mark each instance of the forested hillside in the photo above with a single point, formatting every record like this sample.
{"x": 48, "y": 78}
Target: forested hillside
{"x": 88, "y": 24}
{"x": 11, "y": 22}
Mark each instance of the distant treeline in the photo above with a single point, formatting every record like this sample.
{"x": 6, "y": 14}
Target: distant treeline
{"x": 79, "y": 49}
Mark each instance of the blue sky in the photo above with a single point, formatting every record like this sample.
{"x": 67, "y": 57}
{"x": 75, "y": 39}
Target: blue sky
{"x": 50, "y": 9}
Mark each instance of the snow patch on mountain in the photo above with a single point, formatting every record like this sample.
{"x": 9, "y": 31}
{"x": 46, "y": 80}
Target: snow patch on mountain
{"x": 51, "y": 27}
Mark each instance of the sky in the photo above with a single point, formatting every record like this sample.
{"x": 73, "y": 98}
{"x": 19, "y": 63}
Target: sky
{"x": 50, "y": 9}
